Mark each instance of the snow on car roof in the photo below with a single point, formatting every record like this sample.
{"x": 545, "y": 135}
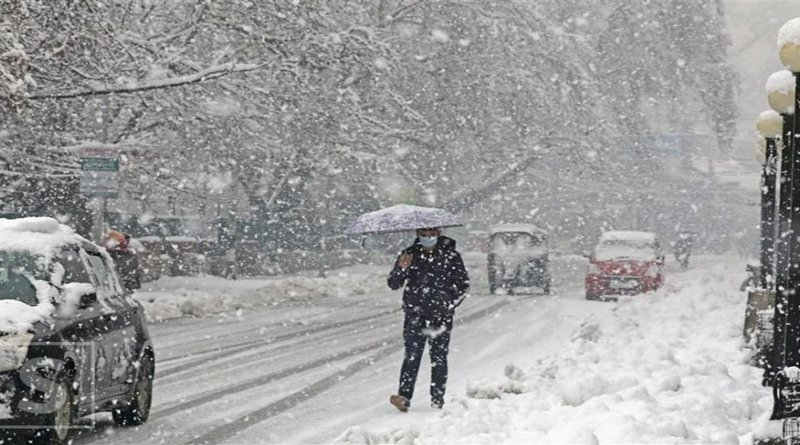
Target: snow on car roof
{"x": 38, "y": 235}
{"x": 625, "y": 235}
{"x": 527, "y": 228}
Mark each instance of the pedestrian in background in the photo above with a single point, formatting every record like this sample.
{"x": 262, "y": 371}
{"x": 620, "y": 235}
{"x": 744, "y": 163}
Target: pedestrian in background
{"x": 117, "y": 244}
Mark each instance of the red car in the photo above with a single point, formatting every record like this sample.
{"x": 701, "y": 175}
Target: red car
{"x": 624, "y": 263}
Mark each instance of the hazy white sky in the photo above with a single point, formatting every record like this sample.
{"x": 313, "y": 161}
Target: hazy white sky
{"x": 753, "y": 27}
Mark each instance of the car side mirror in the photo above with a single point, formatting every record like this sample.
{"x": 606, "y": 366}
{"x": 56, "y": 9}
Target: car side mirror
{"x": 84, "y": 294}
{"x": 87, "y": 300}
{"x": 588, "y": 255}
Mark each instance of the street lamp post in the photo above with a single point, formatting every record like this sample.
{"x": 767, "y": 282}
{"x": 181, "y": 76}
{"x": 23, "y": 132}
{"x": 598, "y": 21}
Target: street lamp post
{"x": 780, "y": 95}
{"x": 789, "y": 44}
{"x": 787, "y": 403}
{"x": 769, "y": 125}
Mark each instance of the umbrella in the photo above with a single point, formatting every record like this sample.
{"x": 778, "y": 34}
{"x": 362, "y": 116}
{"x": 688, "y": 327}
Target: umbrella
{"x": 400, "y": 218}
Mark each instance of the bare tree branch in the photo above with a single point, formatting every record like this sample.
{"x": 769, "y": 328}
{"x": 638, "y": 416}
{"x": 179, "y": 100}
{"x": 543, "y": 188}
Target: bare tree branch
{"x": 209, "y": 73}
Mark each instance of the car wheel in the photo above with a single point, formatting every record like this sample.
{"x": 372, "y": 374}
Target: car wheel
{"x": 138, "y": 409}
{"x": 61, "y": 420}
{"x": 546, "y": 288}
{"x": 592, "y": 296}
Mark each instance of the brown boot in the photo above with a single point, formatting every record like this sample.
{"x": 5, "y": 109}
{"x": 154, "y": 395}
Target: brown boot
{"x": 400, "y": 402}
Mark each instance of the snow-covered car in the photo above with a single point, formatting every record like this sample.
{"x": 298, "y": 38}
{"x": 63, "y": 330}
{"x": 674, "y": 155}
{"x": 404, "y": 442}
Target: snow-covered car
{"x": 624, "y": 263}
{"x": 72, "y": 341}
{"x": 518, "y": 257}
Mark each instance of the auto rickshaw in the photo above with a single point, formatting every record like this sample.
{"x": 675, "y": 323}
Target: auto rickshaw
{"x": 518, "y": 257}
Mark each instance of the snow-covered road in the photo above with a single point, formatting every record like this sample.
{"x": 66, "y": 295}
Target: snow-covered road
{"x": 308, "y": 368}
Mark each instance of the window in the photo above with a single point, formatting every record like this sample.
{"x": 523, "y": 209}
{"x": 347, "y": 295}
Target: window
{"x": 74, "y": 269}
{"x": 16, "y": 271}
{"x": 104, "y": 278}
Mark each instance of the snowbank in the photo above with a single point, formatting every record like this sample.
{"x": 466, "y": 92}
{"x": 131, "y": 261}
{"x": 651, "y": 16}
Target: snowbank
{"x": 175, "y": 297}
{"x": 667, "y": 367}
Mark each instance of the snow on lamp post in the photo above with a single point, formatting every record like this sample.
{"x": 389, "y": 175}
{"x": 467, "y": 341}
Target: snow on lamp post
{"x": 787, "y": 344}
{"x": 769, "y": 125}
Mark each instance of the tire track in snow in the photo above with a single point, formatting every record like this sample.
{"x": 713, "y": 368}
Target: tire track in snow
{"x": 232, "y": 428}
{"x": 227, "y": 350}
{"x": 273, "y": 376}
{"x": 87, "y": 436}
{"x": 267, "y": 354}
{"x": 182, "y": 346}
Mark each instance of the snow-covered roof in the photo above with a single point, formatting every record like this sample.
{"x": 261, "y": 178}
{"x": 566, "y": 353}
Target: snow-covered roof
{"x": 625, "y": 235}
{"x": 38, "y": 235}
{"x": 526, "y": 228}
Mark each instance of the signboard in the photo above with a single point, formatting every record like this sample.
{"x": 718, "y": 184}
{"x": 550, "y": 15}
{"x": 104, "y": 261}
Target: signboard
{"x": 99, "y": 167}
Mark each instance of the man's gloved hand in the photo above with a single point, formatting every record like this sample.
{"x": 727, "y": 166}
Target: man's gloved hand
{"x": 405, "y": 260}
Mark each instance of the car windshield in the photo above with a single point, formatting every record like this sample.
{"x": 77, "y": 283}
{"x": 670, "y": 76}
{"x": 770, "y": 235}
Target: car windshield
{"x": 624, "y": 250}
{"x": 16, "y": 271}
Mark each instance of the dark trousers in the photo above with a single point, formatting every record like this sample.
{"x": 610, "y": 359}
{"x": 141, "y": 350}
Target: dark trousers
{"x": 417, "y": 329}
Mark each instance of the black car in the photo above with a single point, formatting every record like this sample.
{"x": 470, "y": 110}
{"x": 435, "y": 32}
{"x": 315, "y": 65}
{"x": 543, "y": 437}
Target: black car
{"x": 72, "y": 341}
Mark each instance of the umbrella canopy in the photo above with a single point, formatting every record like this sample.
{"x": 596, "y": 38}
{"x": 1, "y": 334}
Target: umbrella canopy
{"x": 400, "y": 218}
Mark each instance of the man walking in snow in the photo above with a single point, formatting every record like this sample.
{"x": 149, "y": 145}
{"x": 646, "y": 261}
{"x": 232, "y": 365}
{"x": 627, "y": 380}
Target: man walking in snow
{"x": 436, "y": 282}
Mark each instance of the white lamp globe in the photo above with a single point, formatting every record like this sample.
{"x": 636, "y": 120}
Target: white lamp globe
{"x": 769, "y": 124}
{"x": 789, "y": 45}
{"x": 780, "y": 91}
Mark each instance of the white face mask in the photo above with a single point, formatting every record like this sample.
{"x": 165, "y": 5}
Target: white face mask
{"x": 428, "y": 241}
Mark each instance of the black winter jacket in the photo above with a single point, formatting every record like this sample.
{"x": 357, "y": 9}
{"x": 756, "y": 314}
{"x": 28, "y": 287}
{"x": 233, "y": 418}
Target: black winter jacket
{"x": 435, "y": 281}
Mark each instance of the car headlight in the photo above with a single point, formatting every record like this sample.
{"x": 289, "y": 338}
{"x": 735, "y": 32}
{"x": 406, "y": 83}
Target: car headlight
{"x": 593, "y": 269}
{"x": 652, "y": 271}
{"x": 13, "y": 350}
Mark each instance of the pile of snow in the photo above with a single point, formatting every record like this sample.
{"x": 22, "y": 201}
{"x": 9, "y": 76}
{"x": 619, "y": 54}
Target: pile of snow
{"x": 486, "y": 388}
{"x": 16, "y": 316}
{"x": 175, "y": 297}
{"x": 666, "y": 367}
{"x": 38, "y": 235}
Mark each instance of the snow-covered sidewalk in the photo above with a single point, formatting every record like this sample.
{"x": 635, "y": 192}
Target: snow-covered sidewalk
{"x": 668, "y": 367}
